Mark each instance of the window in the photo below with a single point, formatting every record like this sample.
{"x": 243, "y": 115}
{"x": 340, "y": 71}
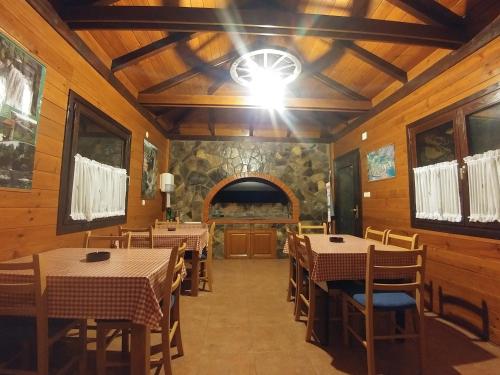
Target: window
{"x": 454, "y": 167}
{"x": 91, "y": 135}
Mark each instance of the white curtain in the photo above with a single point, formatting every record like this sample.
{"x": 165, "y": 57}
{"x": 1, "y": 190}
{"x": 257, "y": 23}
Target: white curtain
{"x": 99, "y": 190}
{"x": 484, "y": 186}
{"x": 436, "y": 192}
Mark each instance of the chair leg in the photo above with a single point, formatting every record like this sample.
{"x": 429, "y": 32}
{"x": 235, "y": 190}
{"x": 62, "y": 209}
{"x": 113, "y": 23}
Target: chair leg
{"x": 101, "y": 334}
{"x": 298, "y": 292}
{"x": 167, "y": 360}
{"x": 370, "y": 345}
{"x": 290, "y": 272}
{"x": 125, "y": 341}
{"x": 210, "y": 275}
{"x": 345, "y": 320}
{"x": 82, "y": 337}
{"x": 311, "y": 311}
{"x": 422, "y": 346}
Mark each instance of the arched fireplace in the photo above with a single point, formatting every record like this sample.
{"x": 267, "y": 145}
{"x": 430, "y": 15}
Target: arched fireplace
{"x": 253, "y": 219}
{"x": 251, "y": 188}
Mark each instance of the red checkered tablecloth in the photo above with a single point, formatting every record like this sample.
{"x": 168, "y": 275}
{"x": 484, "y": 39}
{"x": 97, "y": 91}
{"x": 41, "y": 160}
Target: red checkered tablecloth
{"x": 347, "y": 260}
{"x": 197, "y": 238}
{"x": 124, "y": 287}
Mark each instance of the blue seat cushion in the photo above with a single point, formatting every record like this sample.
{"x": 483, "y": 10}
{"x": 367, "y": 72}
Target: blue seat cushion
{"x": 388, "y": 300}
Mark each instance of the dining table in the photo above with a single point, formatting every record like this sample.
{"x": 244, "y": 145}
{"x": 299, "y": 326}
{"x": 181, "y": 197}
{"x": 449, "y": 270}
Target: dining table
{"x": 346, "y": 260}
{"x": 167, "y": 237}
{"x": 126, "y": 286}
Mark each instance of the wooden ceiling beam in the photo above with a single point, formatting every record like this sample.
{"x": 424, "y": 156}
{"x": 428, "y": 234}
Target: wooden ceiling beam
{"x": 261, "y": 22}
{"x": 144, "y": 52}
{"x": 193, "y": 72}
{"x": 337, "y": 86}
{"x": 220, "y": 101}
{"x": 376, "y": 62}
{"x": 217, "y": 84}
{"x": 430, "y": 11}
{"x": 177, "y": 121}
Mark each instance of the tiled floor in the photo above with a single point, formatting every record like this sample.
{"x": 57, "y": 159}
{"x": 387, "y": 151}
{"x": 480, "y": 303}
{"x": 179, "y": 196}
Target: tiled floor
{"x": 245, "y": 327}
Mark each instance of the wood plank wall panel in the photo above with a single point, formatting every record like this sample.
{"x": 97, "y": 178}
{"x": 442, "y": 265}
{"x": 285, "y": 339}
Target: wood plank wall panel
{"x": 28, "y": 218}
{"x": 465, "y": 266}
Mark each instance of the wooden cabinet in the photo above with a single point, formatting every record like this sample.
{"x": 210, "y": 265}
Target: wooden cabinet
{"x": 250, "y": 243}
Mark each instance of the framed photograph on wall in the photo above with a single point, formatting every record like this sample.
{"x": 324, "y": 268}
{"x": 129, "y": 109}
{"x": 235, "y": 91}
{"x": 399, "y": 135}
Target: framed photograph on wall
{"x": 149, "y": 171}
{"x": 21, "y": 85}
{"x": 381, "y": 164}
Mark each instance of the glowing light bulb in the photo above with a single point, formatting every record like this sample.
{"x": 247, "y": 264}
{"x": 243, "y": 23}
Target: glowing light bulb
{"x": 268, "y": 88}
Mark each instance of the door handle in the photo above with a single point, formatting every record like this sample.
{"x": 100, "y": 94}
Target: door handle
{"x": 356, "y": 212}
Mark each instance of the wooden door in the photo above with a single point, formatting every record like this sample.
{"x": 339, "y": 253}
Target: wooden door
{"x": 263, "y": 243}
{"x": 237, "y": 243}
{"x": 348, "y": 194}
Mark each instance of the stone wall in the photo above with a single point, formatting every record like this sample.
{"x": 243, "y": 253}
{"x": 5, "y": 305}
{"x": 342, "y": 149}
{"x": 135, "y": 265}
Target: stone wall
{"x": 199, "y": 165}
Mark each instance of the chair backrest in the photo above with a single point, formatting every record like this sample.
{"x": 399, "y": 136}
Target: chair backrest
{"x": 409, "y": 242}
{"x": 374, "y": 234}
{"x": 91, "y": 240}
{"x": 174, "y": 277}
{"x": 303, "y": 251}
{"x": 20, "y": 289}
{"x": 290, "y": 236}
{"x": 323, "y": 228}
{"x": 410, "y": 263}
{"x": 123, "y": 230}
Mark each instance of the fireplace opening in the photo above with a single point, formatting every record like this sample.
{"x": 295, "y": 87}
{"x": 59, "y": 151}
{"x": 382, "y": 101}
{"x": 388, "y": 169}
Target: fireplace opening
{"x": 250, "y": 190}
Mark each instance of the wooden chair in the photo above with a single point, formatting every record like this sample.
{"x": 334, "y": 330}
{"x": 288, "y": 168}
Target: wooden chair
{"x": 314, "y": 228}
{"x": 206, "y": 261}
{"x": 91, "y": 240}
{"x": 122, "y": 231}
{"x": 409, "y": 242}
{"x": 292, "y": 269}
{"x": 29, "y": 322}
{"x": 387, "y": 297}
{"x": 306, "y": 288}
{"x": 374, "y": 234}
{"x": 170, "y": 329}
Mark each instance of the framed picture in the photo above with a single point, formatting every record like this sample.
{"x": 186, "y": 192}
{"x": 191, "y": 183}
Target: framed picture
{"x": 21, "y": 85}
{"x": 381, "y": 163}
{"x": 149, "y": 171}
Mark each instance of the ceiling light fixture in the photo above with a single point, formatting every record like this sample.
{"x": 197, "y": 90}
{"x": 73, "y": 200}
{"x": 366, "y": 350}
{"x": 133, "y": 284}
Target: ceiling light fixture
{"x": 266, "y": 72}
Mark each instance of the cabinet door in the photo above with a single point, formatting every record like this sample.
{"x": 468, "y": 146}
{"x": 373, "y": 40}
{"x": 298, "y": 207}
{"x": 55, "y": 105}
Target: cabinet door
{"x": 263, "y": 243}
{"x": 237, "y": 243}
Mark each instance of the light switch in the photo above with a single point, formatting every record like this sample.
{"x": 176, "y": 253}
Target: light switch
{"x": 367, "y": 194}
{"x": 143, "y": 202}
{"x": 364, "y": 136}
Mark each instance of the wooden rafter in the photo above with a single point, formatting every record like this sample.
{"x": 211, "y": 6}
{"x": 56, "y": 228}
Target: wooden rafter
{"x": 144, "y": 52}
{"x": 261, "y": 22}
{"x": 217, "y": 84}
{"x": 337, "y": 86}
{"x": 430, "y": 11}
{"x": 177, "y": 121}
{"x": 375, "y": 61}
{"x": 193, "y": 72}
{"x": 219, "y": 101}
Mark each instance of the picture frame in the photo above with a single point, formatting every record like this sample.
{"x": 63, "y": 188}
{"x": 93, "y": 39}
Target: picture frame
{"x": 22, "y": 79}
{"x": 149, "y": 185}
{"x": 381, "y": 163}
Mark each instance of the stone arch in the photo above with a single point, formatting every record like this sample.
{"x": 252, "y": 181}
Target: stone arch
{"x": 294, "y": 202}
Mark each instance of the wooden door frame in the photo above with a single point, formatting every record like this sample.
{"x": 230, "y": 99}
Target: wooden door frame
{"x": 357, "y": 188}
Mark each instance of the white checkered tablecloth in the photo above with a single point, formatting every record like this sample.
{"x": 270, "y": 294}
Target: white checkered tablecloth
{"x": 197, "y": 238}
{"x": 346, "y": 260}
{"x": 124, "y": 287}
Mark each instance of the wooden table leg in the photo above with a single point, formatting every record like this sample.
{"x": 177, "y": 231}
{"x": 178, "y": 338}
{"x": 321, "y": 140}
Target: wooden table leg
{"x": 195, "y": 276}
{"x": 140, "y": 351}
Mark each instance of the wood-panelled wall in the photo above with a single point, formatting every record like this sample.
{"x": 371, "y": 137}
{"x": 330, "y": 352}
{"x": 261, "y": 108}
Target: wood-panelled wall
{"x": 28, "y": 218}
{"x": 468, "y": 267}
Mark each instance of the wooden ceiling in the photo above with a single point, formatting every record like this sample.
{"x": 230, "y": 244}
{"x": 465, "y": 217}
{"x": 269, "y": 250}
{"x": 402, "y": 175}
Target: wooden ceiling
{"x": 174, "y": 56}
